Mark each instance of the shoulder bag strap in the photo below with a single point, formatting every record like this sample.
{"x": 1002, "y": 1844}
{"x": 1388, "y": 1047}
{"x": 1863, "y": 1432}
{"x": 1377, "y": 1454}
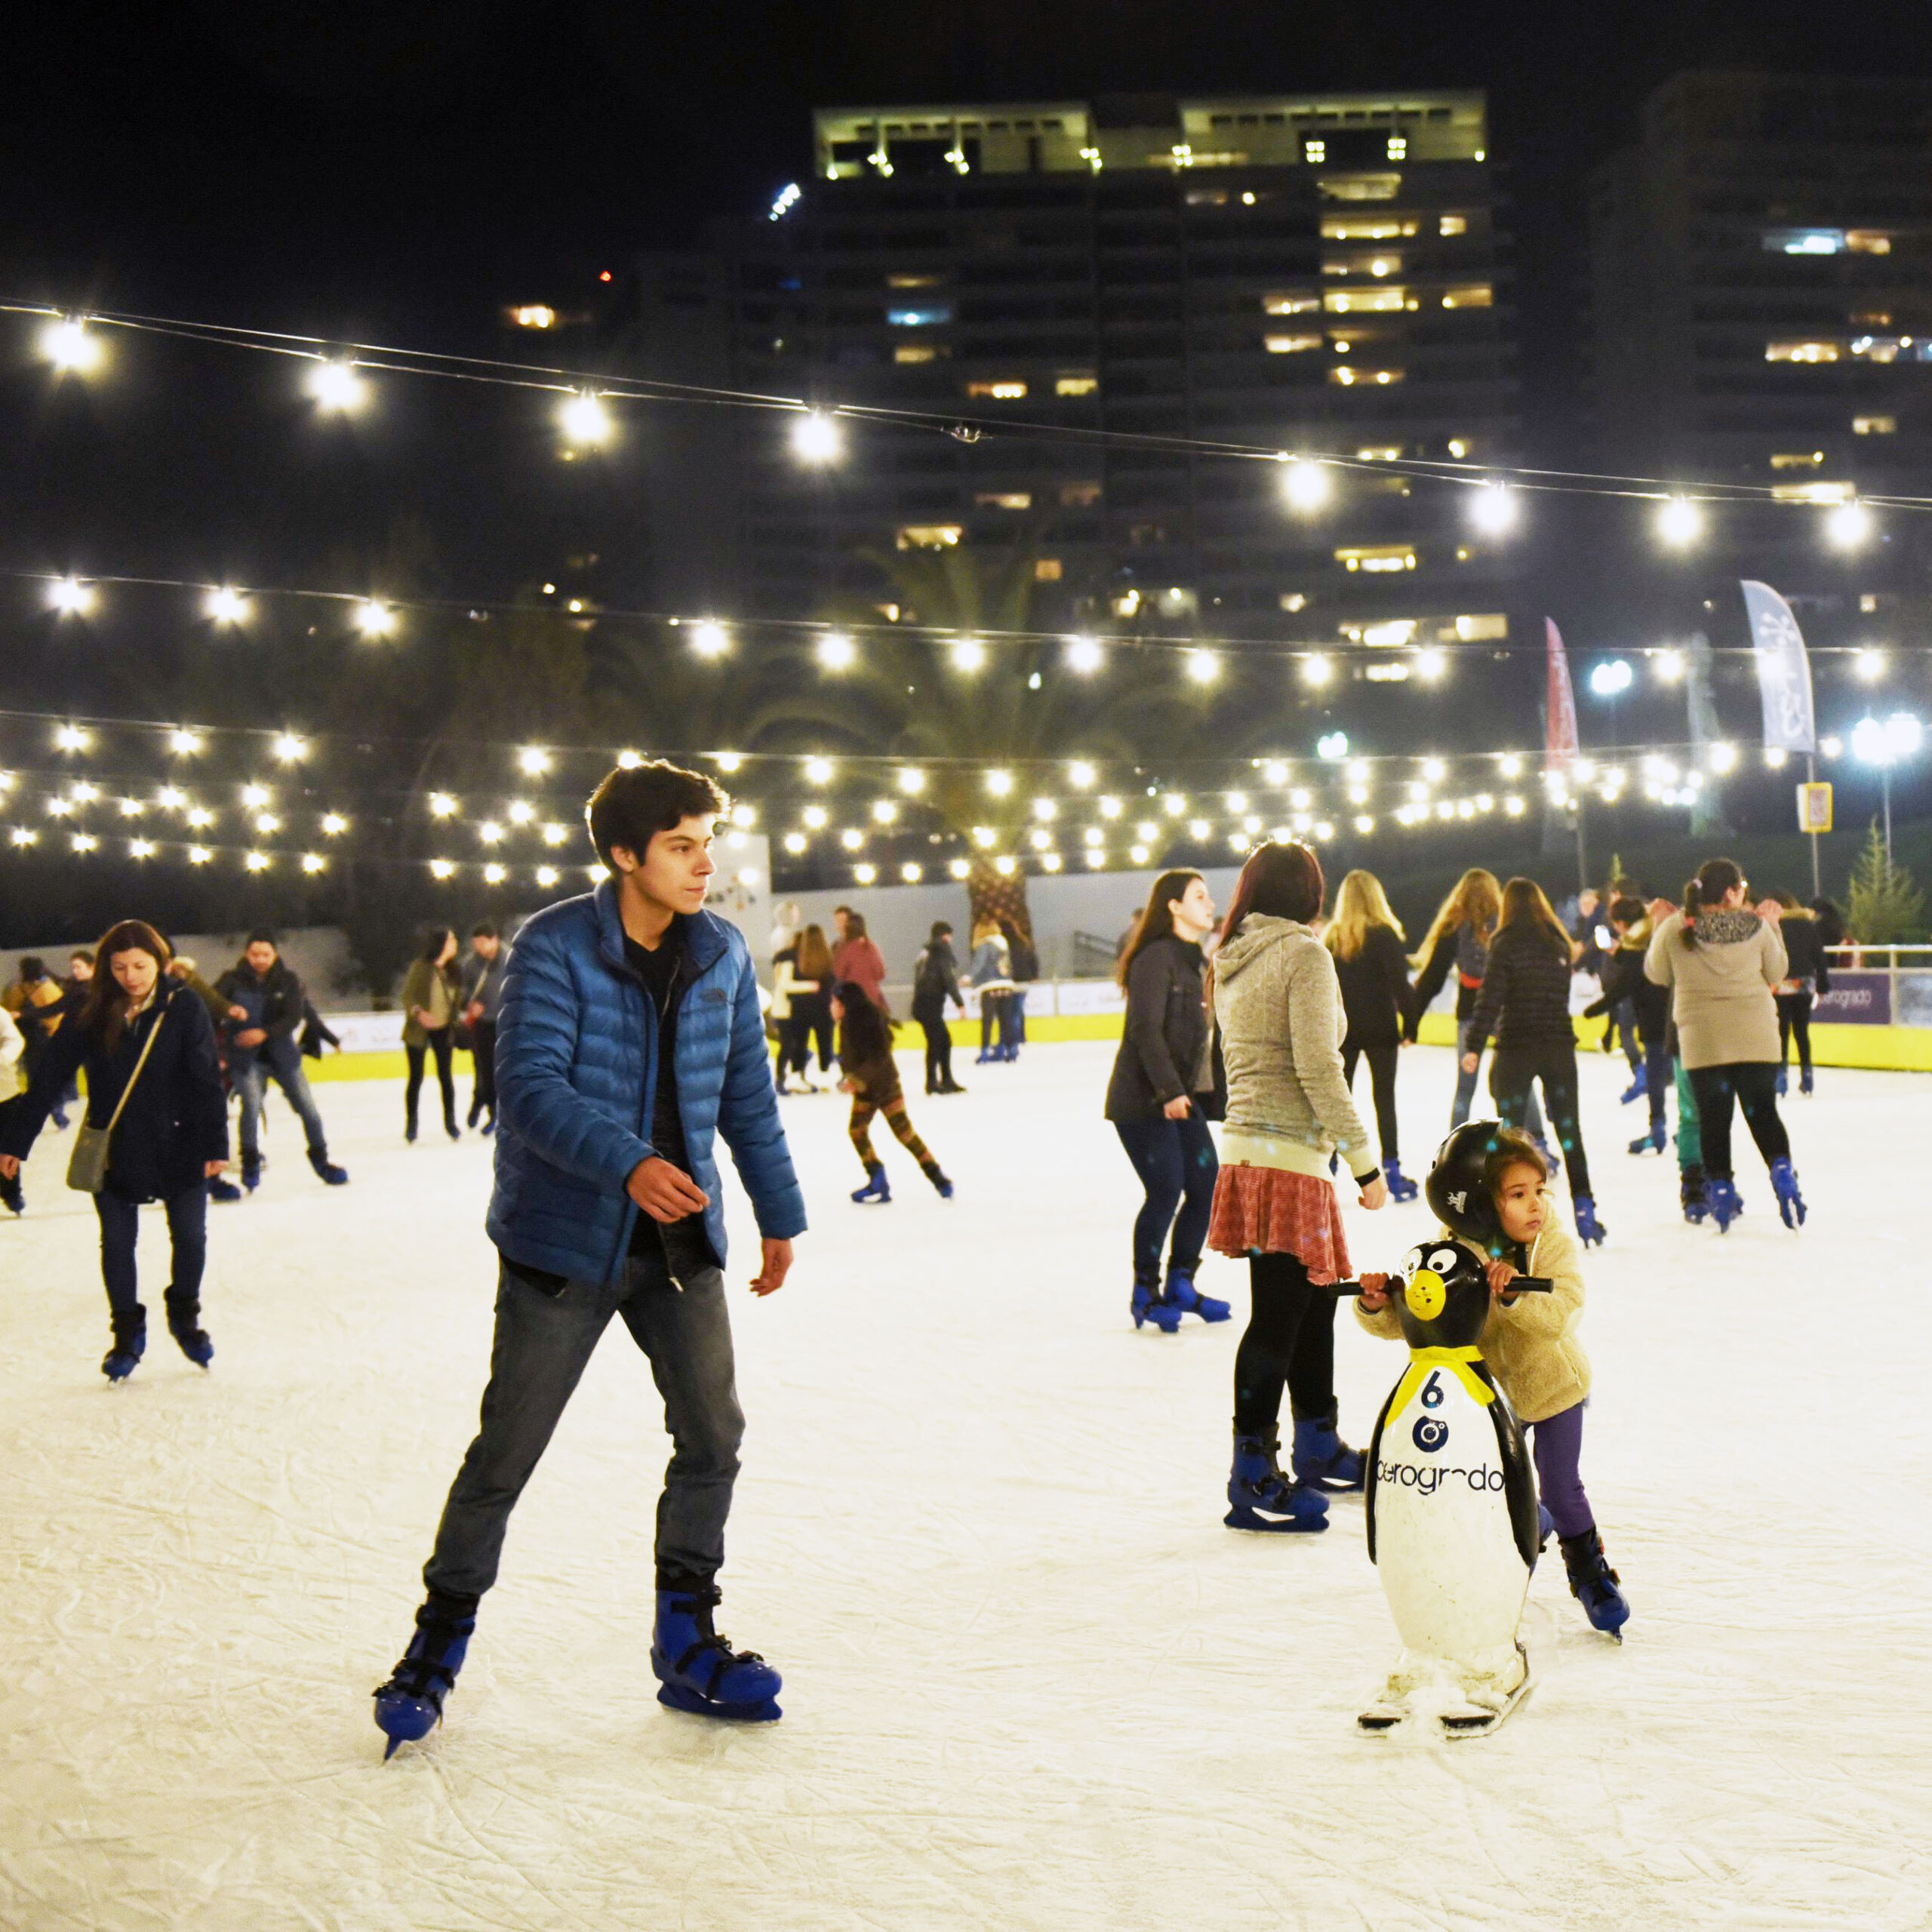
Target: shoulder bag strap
{"x": 147, "y": 1047}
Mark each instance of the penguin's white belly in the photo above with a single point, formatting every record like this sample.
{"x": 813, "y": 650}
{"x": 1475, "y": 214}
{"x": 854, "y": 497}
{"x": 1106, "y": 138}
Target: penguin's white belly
{"x": 1444, "y": 1543}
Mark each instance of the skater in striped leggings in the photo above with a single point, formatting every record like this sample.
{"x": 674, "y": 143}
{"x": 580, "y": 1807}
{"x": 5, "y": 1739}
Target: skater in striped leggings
{"x": 865, "y": 1053}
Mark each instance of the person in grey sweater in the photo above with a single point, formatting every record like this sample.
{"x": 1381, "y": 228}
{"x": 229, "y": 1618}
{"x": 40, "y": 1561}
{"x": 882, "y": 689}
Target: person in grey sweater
{"x": 1289, "y": 1115}
{"x": 1721, "y": 959}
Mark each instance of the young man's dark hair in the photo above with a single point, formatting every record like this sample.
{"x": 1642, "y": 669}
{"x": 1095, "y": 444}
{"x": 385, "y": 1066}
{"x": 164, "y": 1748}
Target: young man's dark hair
{"x": 633, "y": 805}
{"x": 264, "y": 936}
{"x": 80, "y": 956}
{"x": 483, "y": 930}
{"x": 32, "y": 968}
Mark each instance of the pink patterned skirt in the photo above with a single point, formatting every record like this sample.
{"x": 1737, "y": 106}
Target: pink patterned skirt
{"x": 1273, "y": 1212}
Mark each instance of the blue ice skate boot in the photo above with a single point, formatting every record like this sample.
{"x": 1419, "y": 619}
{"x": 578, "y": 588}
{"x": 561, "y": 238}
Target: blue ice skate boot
{"x": 1639, "y": 1087}
{"x": 1148, "y": 1304}
{"x": 1400, "y": 1188}
{"x": 130, "y": 1343}
{"x": 698, "y": 1671}
{"x": 1654, "y": 1142}
{"x": 1589, "y": 1230}
{"x": 1784, "y": 1184}
{"x": 13, "y": 1194}
{"x": 1545, "y": 1522}
{"x": 221, "y": 1189}
{"x": 1781, "y": 1083}
{"x": 877, "y": 1188}
{"x": 410, "y": 1705}
{"x": 1320, "y": 1458}
{"x": 1189, "y": 1299}
{"x": 1804, "y": 1082}
{"x": 1594, "y": 1583}
{"x": 326, "y": 1169}
{"x": 1721, "y": 1202}
{"x": 1690, "y": 1194}
{"x": 942, "y": 1185}
{"x": 184, "y": 1323}
{"x": 1260, "y": 1497}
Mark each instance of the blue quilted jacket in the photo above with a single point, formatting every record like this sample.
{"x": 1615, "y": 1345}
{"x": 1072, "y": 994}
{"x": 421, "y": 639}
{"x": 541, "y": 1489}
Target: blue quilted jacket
{"x": 576, "y": 1072}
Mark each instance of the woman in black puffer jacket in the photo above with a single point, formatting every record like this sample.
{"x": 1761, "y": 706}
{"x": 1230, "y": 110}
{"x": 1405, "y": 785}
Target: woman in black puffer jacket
{"x": 1163, "y": 1091}
{"x": 1525, "y": 1004}
{"x": 171, "y": 1137}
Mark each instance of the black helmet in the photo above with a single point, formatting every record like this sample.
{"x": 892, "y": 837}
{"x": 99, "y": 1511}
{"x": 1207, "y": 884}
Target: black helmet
{"x": 1457, "y": 1188}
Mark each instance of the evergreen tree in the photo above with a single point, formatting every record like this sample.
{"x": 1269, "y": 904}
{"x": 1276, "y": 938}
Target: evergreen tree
{"x": 1887, "y": 908}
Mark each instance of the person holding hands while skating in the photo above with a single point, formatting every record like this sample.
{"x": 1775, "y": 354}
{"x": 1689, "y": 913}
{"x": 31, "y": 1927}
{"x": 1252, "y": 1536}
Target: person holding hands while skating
{"x": 872, "y": 1078}
{"x": 1491, "y": 1185}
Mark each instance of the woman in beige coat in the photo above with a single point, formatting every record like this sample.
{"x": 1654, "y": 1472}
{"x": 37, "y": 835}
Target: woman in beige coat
{"x": 431, "y": 997}
{"x": 1722, "y": 961}
{"x": 1289, "y": 1119}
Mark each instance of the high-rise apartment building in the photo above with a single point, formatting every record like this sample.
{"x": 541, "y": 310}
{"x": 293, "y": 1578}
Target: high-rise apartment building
{"x": 1762, "y": 269}
{"x": 1096, "y": 296}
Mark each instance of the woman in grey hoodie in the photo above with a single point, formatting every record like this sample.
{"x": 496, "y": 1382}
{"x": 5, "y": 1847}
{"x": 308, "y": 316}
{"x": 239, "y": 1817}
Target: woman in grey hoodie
{"x": 1289, "y": 1117}
{"x": 1722, "y": 960}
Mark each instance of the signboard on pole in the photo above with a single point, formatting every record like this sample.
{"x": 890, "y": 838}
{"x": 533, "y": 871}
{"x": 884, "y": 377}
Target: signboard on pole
{"x": 1815, "y": 809}
{"x": 1784, "y": 671}
{"x": 1560, "y": 706}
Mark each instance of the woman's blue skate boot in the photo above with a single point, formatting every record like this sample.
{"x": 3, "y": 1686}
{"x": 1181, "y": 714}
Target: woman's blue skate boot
{"x": 410, "y": 1705}
{"x": 1589, "y": 1229}
{"x": 698, "y": 1669}
{"x": 1320, "y": 1458}
{"x": 1784, "y": 1184}
{"x": 1721, "y": 1201}
{"x": 130, "y": 1343}
{"x": 1594, "y": 1583}
{"x": 1654, "y": 1142}
{"x": 1184, "y": 1295}
{"x": 1260, "y": 1497}
{"x": 1149, "y": 1305}
{"x": 877, "y": 1188}
{"x": 1400, "y": 1188}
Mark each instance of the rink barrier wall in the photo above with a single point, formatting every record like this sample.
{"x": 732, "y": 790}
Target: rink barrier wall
{"x": 1091, "y": 1010}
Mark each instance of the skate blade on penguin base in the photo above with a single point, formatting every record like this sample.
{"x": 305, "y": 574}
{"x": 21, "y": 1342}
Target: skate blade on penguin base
{"x": 763, "y": 1710}
{"x": 1426, "y": 1700}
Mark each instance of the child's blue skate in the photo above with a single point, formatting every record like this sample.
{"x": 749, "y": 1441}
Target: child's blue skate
{"x": 1594, "y": 1583}
{"x": 410, "y": 1705}
{"x": 698, "y": 1670}
{"x": 1400, "y": 1188}
{"x": 1320, "y": 1457}
{"x": 1639, "y": 1087}
{"x": 876, "y": 1188}
{"x": 1260, "y": 1497}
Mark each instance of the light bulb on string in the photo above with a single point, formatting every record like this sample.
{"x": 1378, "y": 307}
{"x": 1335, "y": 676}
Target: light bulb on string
{"x": 374, "y": 618}
{"x": 1316, "y": 669}
{"x": 1494, "y": 510}
{"x": 912, "y": 780}
{"x": 333, "y": 825}
{"x": 184, "y": 743}
{"x": 533, "y": 760}
{"x": 547, "y": 875}
{"x": 289, "y": 748}
{"x": 585, "y": 423}
{"x": 1431, "y": 664}
{"x": 629, "y": 760}
{"x": 1868, "y": 665}
{"x": 1848, "y": 526}
{"x": 727, "y": 762}
{"x": 865, "y": 873}
{"x": 817, "y": 439}
{"x": 836, "y": 651}
{"x": 959, "y": 868}
{"x": 441, "y": 805}
{"x": 1306, "y": 484}
{"x": 815, "y": 818}
{"x": 912, "y": 872}
{"x": 313, "y": 862}
{"x": 818, "y": 771}
{"x": 1083, "y": 656}
{"x": 66, "y": 344}
{"x": 1203, "y": 667}
{"x": 72, "y": 598}
{"x": 1110, "y": 807}
{"x": 1669, "y": 663}
{"x": 226, "y": 605}
{"x": 335, "y": 388}
{"x": 999, "y": 783}
{"x": 710, "y": 639}
{"x": 1679, "y": 522}
{"x": 968, "y": 654}
{"x": 1080, "y": 774}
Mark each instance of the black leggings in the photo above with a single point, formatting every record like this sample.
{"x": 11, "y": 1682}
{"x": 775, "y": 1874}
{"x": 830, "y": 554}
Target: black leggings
{"x": 1382, "y": 1061}
{"x": 1754, "y": 1083}
{"x": 1291, "y": 1339}
{"x": 1795, "y": 1017}
{"x": 938, "y": 1055}
{"x": 1511, "y": 1071}
{"x": 439, "y": 1045}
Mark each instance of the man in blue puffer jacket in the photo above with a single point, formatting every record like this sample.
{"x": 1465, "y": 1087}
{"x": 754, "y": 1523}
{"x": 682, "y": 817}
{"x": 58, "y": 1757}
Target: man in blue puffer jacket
{"x": 629, "y": 1034}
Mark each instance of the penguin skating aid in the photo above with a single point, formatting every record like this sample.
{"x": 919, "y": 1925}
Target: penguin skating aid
{"x": 1451, "y": 1508}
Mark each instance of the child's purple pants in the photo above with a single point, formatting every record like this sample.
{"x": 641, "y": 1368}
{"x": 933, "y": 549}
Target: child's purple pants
{"x": 1557, "y": 1442}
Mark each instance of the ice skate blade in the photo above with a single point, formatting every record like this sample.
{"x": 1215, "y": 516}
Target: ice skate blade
{"x": 404, "y": 1721}
{"x": 763, "y": 1711}
{"x": 1252, "y": 1520}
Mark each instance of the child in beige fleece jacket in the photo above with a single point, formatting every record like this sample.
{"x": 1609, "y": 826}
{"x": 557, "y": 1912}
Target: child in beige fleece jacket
{"x": 1531, "y": 1344}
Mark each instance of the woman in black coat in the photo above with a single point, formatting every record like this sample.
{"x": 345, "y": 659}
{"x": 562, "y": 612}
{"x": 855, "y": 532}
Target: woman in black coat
{"x": 1163, "y": 1091}
{"x": 171, "y": 1137}
{"x": 1372, "y": 971}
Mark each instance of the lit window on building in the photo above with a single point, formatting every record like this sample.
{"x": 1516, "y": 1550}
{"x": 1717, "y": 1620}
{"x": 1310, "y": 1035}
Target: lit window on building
{"x": 1868, "y": 241}
{"x": 1046, "y": 569}
{"x": 1380, "y": 452}
{"x": 1485, "y": 629}
{"x": 1377, "y": 557}
{"x": 1398, "y": 147}
{"x": 1458, "y": 446}
{"x": 1359, "y": 187}
{"x": 1798, "y": 459}
{"x": 1390, "y": 632}
{"x": 1453, "y": 224}
{"x": 1315, "y": 150}
{"x": 1875, "y": 425}
{"x": 1293, "y": 600}
{"x": 1290, "y": 345}
{"x": 1079, "y": 495}
{"x": 927, "y": 316}
{"x": 532, "y": 315}
{"x": 1080, "y": 383}
{"x": 1291, "y": 302}
{"x": 1381, "y": 262}
{"x": 1801, "y": 352}
{"x": 919, "y": 351}
{"x": 1352, "y": 379}
{"x": 929, "y": 536}
{"x": 1811, "y": 493}
{"x": 1868, "y": 602}
{"x": 1366, "y": 227}
{"x": 1204, "y": 197}
{"x": 908, "y": 280}
{"x": 1470, "y": 295}
{"x": 1365, "y": 301}
{"x": 1003, "y": 499}
{"x": 1002, "y": 388}
{"x": 1804, "y": 240}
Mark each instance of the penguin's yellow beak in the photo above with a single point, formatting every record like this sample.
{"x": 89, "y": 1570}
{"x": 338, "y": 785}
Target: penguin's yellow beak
{"x": 1426, "y": 1294}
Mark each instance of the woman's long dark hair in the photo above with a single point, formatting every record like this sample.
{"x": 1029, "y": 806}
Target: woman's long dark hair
{"x": 1524, "y": 903}
{"x": 814, "y": 960}
{"x": 866, "y": 1032}
{"x": 855, "y": 925}
{"x": 1156, "y": 920}
{"x": 104, "y": 1012}
{"x": 437, "y": 937}
{"x": 1280, "y": 881}
{"x": 1706, "y": 888}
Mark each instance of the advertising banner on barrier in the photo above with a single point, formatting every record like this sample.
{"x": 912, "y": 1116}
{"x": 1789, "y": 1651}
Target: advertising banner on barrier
{"x": 1858, "y": 998}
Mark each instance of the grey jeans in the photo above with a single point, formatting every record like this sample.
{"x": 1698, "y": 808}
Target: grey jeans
{"x": 251, "y": 1083}
{"x": 543, "y": 1343}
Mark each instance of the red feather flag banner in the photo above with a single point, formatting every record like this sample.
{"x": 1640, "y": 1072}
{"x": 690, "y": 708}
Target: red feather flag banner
{"x": 1559, "y": 706}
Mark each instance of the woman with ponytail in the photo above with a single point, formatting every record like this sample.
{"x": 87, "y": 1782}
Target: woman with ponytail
{"x": 1722, "y": 960}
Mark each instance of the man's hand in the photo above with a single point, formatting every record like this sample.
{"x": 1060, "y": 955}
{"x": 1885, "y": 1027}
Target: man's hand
{"x": 10, "y": 1166}
{"x": 1374, "y": 1292}
{"x": 1178, "y": 1108}
{"x": 1500, "y": 1275}
{"x": 665, "y": 1193}
{"x": 250, "y": 1036}
{"x": 777, "y": 1264}
{"x": 473, "y": 1013}
{"x": 237, "y": 1013}
{"x": 210, "y": 1168}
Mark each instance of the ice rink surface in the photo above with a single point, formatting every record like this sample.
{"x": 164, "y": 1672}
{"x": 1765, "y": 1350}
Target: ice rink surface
{"x": 1031, "y": 1681}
